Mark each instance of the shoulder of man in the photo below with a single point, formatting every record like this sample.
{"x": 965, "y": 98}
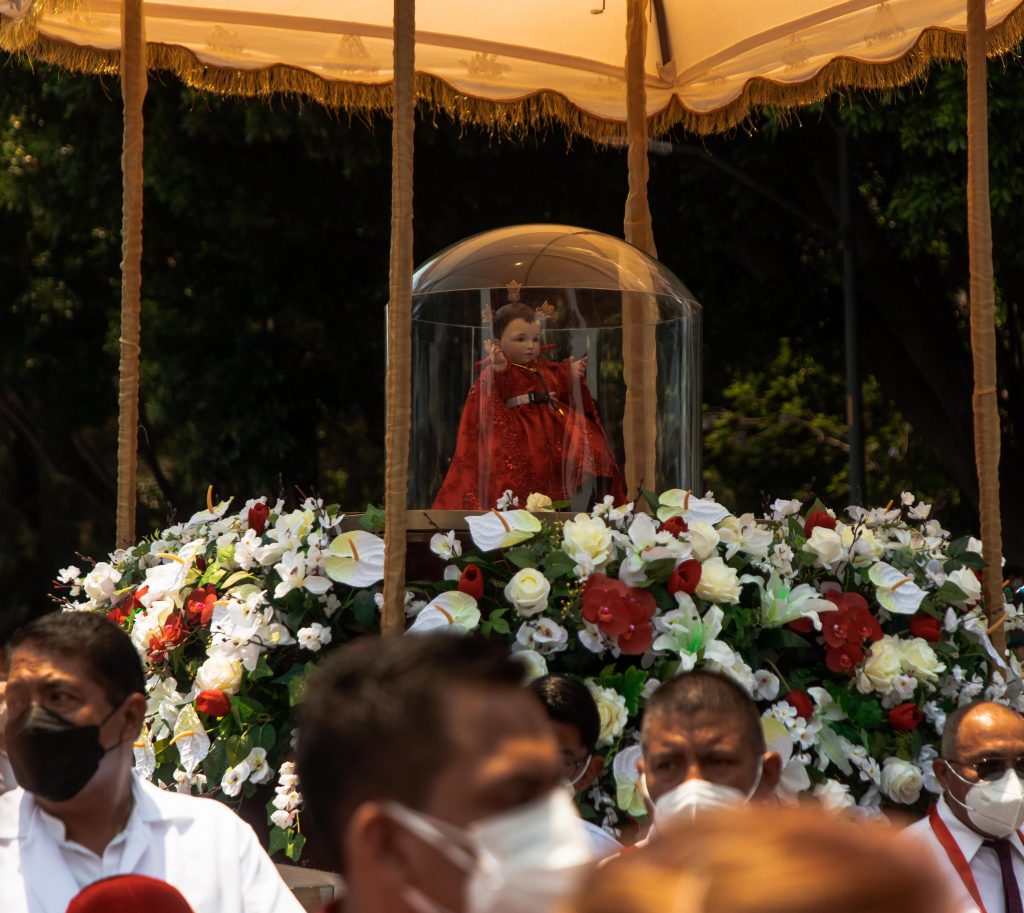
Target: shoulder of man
{"x": 10, "y": 813}
{"x": 157, "y": 803}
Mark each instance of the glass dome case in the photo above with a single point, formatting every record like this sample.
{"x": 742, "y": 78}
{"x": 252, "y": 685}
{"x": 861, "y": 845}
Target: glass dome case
{"x": 554, "y": 360}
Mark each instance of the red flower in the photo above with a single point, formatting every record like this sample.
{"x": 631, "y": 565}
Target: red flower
{"x": 923, "y": 625}
{"x": 471, "y": 581}
{"x": 620, "y": 611}
{"x": 128, "y": 606}
{"x": 801, "y": 625}
{"x": 905, "y": 716}
{"x": 862, "y": 622}
{"x": 685, "y": 577}
{"x": 168, "y": 637}
{"x": 843, "y": 659}
{"x": 801, "y": 700}
{"x": 198, "y": 608}
{"x": 837, "y": 627}
{"x": 257, "y": 518}
{"x": 818, "y": 518}
{"x": 213, "y": 702}
{"x": 674, "y": 525}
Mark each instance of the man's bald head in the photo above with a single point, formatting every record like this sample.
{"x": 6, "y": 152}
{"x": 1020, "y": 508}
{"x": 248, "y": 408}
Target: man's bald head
{"x": 978, "y": 726}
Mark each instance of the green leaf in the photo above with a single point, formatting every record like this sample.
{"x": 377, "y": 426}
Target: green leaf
{"x": 522, "y": 557}
{"x": 215, "y": 763}
{"x": 364, "y": 609}
{"x": 950, "y": 592}
{"x": 262, "y": 670}
{"x": 372, "y": 519}
{"x": 558, "y": 564}
{"x": 278, "y": 840}
{"x": 247, "y": 706}
{"x": 659, "y": 571}
{"x": 632, "y": 687}
{"x": 263, "y": 736}
{"x": 237, "y": 749}
{"x": 294, "y": 849}
{"x": 651, "y": 498}
{"x": 498, "y": 624}
{"x": 233, "y": 580}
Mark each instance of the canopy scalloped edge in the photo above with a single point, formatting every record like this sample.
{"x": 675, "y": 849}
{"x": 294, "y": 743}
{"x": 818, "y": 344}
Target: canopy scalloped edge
{"x": 539, "y": 110}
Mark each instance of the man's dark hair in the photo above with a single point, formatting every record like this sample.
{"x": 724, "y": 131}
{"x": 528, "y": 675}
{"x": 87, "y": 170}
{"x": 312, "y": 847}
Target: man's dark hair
{"x": 374, "y": 725}
{"x": 101, "y": 644}
{"x": 568, "y": 700}
{"x": 509, "y": 312}
{"x": 708, "y": 692}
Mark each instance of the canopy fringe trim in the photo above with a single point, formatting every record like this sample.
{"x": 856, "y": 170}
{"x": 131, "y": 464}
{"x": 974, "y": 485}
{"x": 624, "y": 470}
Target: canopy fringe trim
{"x": 538, "y": 111}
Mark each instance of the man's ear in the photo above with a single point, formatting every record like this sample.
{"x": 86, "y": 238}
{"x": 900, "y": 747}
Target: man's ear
{"x": 134, "y": 717}
{"x": 592, "y": 772}
{"x": 374, "y": 845}
{"x": 942, "y": 773}
{"x": 771, "y": 771}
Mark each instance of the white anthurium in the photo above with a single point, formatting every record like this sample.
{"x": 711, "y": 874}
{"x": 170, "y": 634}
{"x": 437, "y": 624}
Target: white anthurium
{"x": 827, "y": 708}
{"x": 895, "y": 591}
{"x": 294, "y": 573}
{"x": 168, "y": 578}
{"x": 692, "y": 637}
{"x": 685, "y": 504}
{"x": 453, "y": 611}
{"x": 746, "y": 536}
{"x": 794, "y": 779}
{"x": 502, "y": 528}
{"x": 782, "y": 603}
{"x": 212, "y": 512}
{"x": 356, "y": 558}
{"x": 629, "y": 794}
{"x": 145, "y": 757}
{"x": 190, "y": 739}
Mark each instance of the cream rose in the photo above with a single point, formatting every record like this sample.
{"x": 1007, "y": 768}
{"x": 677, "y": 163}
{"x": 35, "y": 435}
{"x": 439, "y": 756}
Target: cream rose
{"x": 704, "y": 539}
{"x": 834, "y": 795}
{"x": 901, "y": 781}
{"x": 588, "y": 542}
{"x": 535, "y": 666}
{"x": 826, "y": 545}
{"x": 537, "y": 503}
{"x": 611, "y": 708}
{"x": 219, "y": 673}
{"x": 882, "y": 666}
{"x": 718, "y": 582}
{"x": 528, "y": 591}
{"x": 919, "y": 660}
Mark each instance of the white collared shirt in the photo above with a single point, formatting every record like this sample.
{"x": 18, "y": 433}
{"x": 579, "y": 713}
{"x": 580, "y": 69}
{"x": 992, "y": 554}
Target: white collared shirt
{"x": 983, "y": 861}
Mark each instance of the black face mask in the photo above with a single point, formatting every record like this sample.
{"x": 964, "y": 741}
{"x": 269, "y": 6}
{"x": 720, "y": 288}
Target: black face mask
{"x": 52, "y": 757}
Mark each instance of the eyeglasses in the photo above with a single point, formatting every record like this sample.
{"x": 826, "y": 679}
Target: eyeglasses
{"x": 994, "y": 768}
{"x": 573, "y": 768}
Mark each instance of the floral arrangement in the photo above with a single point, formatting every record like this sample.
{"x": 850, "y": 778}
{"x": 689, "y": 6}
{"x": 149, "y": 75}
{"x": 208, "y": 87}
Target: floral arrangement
{"x": 857, "y": 635}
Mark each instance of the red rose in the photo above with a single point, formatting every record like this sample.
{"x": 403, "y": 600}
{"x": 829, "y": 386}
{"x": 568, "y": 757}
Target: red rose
{"x": 674, "y": 525}
{"x": 128, "y": 606}
{"x": 801, "y": 700}
{"x": 818, "y": 518}
{"x": 905, "y": 716}
{"x": 198, "y": 608}
{"x": 844, "y": 659}
{"x": 257, "y": 518}
{"x": 685, "y": 577}
{"x": 213, "y": 702}
{"x": 471, "y": 581}
{"x": 923, "y": 625}
{"x": 620, "y": 611}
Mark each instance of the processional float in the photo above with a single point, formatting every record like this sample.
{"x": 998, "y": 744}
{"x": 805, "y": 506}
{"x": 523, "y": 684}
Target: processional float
{"x": 587, "y": 65}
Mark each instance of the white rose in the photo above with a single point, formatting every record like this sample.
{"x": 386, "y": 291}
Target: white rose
{"x": 718, "y": 582}
{"x": 919, "y": 660}
{"x": 611, "y": 708}
{"x": 587, "y": 541}
{"x": 537, "y": 503}
{"x": 833, "y": 795}
{"x": 219, "y": 673}
{"x": 901, "y": 781}
{"x": 964, "y": 579}
{"x": 534, "y": 665}
{"x": 528, "y": 591}
{"x": 704, "y": 539}
{"x": 882, "y": 666}
{"x": 825, "y": 545}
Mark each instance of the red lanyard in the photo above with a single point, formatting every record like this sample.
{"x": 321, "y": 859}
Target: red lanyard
{"x": 956, "y": 856}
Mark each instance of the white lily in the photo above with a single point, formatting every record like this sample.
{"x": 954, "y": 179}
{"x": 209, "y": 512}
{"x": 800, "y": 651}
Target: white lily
{"x": 678, "y": 503}
{"x": 452, "y": 611}
{"x": 502, "y": 528}
{"x": 895, "y": 591}
{"x": 295, "y": 576}
{"x": 746, "y": 536}
{"x": 356, "y": 558}
{"x": 692, "y": 637}
{"x": 782, "y": 603}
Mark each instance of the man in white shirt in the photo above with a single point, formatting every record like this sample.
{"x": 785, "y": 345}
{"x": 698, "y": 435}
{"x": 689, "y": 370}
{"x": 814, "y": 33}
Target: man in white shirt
{"x": 974, "y": 828}
{"x": 75, "y": 704}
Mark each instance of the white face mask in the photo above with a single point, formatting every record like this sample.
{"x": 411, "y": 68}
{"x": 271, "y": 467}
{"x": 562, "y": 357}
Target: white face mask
{"x": 694, "y": 797}
{"x": 995, "y": 807}
{"x": 526, "y": 860}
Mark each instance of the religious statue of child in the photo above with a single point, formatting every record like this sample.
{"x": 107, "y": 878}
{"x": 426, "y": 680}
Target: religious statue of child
{"x": 529, "y": 425}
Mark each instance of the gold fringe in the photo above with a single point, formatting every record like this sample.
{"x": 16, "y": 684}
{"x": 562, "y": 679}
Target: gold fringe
{"x": 539, "y": 111}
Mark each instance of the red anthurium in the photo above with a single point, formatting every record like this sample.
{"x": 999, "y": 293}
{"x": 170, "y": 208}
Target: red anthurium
{"x": 620, "y": 611}
{"x": 685, "y": 577}
{"x": 674, "y": 525}
{"x": 471, "y": 581}
{"x": 818, "y": 518}
{"x": 257, "y": 517}
{"x": 906, "y": 716}
{"x": 198, "y": 607}
{"x": 924, "y": 625}
{"x": 213, "y": 702}
{"x": 801, "y": 700}
{"x": 843, "y": 659}
{"x": 128, "y": 606}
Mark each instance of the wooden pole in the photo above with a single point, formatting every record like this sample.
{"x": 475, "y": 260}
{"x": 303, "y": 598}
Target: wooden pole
{"x": 133, "y": 92}
{"x": 983, "y": 335}
{"x": 399, "y": 393}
